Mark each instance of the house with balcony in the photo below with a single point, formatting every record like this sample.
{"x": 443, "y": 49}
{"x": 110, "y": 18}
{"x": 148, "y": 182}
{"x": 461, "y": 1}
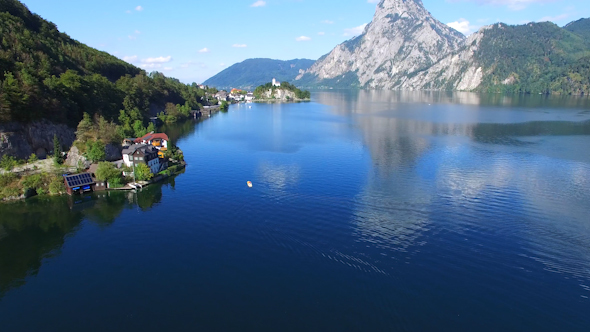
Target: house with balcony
{"x": 144, "y": 154}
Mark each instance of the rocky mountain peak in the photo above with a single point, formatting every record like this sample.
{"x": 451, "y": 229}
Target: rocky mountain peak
{"x": 402, "y": 39}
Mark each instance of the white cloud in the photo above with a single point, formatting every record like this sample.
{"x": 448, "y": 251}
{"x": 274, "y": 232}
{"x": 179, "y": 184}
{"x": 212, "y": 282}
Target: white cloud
{"x": 373, "y": 1}
{"x": 139, "y": 8}
{"x": 222, "y": 64}
{"x": 239, "y": 45}
{"x": 355, "y": 31}
{"x": 137, "y": 32}
{"x": 158, "y": 60}
{"x": 128, "y": 11}
{"x": 321, "y": 33}
{"x": 302, "y": 38}
{"x": 259, "y": 3}
{"x": 204, "y": 50}
{"x": 327, "y": 22}
{"x": 131, "y": 58}
{"x": 463, "y": 26}
{"x": 149, "y": 65}
{"x": 132, "y": 37}
{"x": 168, "y": 69}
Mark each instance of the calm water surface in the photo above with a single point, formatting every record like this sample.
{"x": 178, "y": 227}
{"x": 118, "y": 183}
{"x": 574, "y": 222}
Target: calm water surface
{"x": 370, "y": 211}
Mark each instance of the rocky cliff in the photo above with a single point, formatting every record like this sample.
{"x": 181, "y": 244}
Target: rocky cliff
{"x": 402, "y": 41}
{"x": 405, "y": 48}
{"x": 20, "y": 140}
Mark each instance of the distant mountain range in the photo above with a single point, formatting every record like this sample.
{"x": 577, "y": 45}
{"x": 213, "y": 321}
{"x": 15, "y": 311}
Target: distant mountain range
{"x": 405, "y": 47}
{"x": 252, "y": 73}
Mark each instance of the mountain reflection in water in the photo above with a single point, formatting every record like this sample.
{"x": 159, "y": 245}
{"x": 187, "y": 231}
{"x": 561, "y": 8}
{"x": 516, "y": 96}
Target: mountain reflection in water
{"x": 370, "y": 210}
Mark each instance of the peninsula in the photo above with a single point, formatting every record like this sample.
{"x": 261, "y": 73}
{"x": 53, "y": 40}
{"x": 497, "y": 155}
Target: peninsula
{"x": 277, "y": 91}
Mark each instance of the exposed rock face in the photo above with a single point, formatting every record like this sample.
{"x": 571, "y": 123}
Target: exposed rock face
{"x": 113, "y": 152}
{"x": 401, "y": 42}
{"x": 75, "y": 158}
{"x": 279, "y": 94}
{"x": 21, "y": 140}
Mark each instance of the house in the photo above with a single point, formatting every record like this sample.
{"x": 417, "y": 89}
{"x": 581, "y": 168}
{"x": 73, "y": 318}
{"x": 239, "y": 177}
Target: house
{"x": 99, "y": 185}
{"x": 276, "y": 83}
{"x": 143, "y": 154}
{"x": 128, "y": 141}
{"x": 158, "y": 140}
{"x": 79, "y": 183}
{"x": 250, "y": 97}
{"x": 202, "y": 87}
{"x": 221, "y": 96}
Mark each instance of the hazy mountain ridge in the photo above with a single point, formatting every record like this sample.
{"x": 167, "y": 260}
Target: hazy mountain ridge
{"x": 405, "y": 48}
{"x": 255, "y": 72}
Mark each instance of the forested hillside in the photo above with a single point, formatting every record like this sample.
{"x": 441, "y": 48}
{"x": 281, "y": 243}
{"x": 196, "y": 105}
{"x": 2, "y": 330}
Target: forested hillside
{"x": 528, "y": 58}
{"x": 580, "y": 27}
{"x": 44, "y": 74}
{"x": 254, "y": 72}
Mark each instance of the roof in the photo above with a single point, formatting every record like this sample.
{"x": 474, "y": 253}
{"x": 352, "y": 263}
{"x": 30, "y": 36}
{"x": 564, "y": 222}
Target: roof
{"x": 92, "y": 169}
{"x": 151, "y": 136}
{"x": 133, "y": 148}
{"x": 78, "y": 180}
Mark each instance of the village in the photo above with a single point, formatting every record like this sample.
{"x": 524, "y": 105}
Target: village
{"x": 145, "y": 160}
{"x": 237, "y": 95}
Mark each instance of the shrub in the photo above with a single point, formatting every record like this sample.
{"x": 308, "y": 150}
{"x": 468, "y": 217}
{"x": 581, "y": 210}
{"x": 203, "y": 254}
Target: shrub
{"x": 7, "y": 179}
{"x": 57, "y": 187}
{"x": 33, "y": 181}
{"x": 143, "y": 172}
{"x": 95, "y": 151}
{"x": 107, "y": 172}
{"x": 8, "y": 162}
{"x": 41, "y": 191}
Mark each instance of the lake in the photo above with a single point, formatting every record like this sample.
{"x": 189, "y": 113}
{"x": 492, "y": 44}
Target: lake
{"x": 370, "y": 211}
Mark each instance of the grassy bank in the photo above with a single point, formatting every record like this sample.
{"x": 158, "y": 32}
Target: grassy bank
{"x": 13, "y": 186}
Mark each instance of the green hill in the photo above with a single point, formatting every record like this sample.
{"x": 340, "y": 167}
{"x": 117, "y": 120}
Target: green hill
{"x": 45, "y": 74}
{"x": 580, "y": 27}
{"x": 528, "y": 58}
{"x": 254, "y": 72}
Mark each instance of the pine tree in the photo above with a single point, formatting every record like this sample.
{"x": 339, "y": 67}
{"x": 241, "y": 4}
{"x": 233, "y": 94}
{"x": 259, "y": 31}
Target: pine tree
{"x": 57, "y": 151}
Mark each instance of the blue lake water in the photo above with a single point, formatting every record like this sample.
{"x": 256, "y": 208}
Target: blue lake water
{"x": 370, "y": 211}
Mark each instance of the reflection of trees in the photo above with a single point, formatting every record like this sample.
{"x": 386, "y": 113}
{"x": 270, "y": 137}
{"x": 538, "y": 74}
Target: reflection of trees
{"x": 176, "y": 131}
{"x": 36, "y": 229}
{"x": 500, "y": 133}
{"x": 33, "y": 230}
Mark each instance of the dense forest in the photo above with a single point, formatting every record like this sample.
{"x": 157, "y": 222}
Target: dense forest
{"x": 299, "y": 94}
{"x": 534, "y": 58}
{"x": 44, "y": 74}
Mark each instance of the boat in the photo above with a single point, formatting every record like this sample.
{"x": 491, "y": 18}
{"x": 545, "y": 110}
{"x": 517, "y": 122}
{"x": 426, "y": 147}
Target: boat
{"x": 249, "y": 184}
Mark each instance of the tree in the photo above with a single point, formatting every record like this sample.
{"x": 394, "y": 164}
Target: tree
{"x": 57, "y": 151}
{"x": 84, "y": 127}
{"x": 224, "y": 106}
{"x": 138, "y": 129}
{"x": 151, "y": 127}
{"x": 32, "y": 159}
{"x": 107, "y": 172}
{"x": 95, "y": 151}
{"x": 8, "y": 162}
{"x": 143, "y": 172}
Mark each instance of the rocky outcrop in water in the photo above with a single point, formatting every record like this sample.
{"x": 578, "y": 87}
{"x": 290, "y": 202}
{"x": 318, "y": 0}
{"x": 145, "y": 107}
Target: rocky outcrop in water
{"x": 279, "y": 94}
{"x": 21, "y": 140}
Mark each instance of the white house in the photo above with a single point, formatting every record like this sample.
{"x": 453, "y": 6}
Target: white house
{"x": 142, "y": 154}
{"x": 276, "y": 83}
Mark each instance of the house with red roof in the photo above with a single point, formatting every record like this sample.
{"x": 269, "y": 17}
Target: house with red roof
{"x": 157, "y": 140}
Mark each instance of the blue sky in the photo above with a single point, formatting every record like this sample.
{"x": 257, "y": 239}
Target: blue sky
{"x": 193, "y": 40}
